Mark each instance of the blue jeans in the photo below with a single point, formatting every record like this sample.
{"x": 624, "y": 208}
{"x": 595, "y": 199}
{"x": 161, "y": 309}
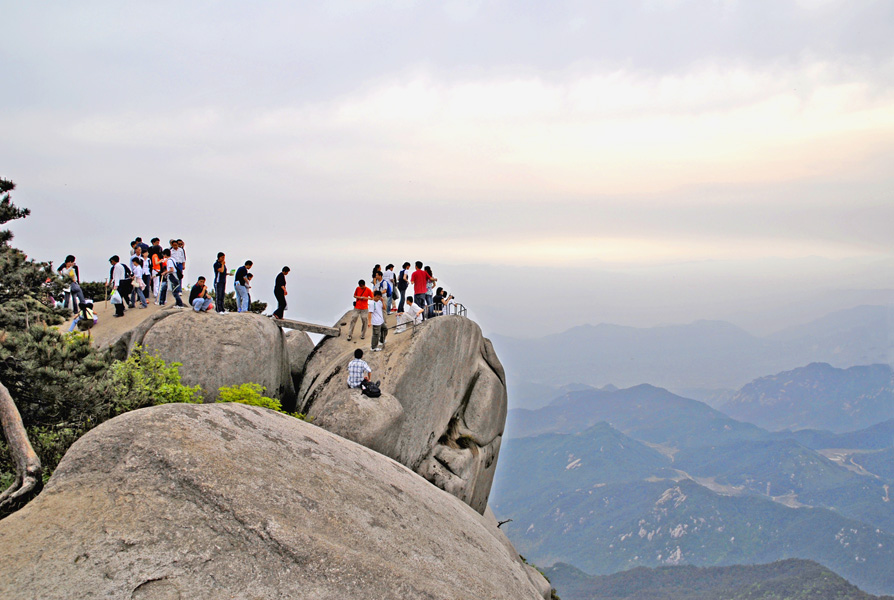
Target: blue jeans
{"x": 241, "y": 297}
{"x": 137, "y": 293}
{"x": 174, "y": 284}
{"x": 201, "y": 304}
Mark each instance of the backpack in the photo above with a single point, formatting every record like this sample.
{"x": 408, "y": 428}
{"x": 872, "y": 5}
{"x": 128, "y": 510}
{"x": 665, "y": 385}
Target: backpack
{"x": 127, "y": 272}
{"x": 368, "y": 388}
{"x": 85, "y": 319}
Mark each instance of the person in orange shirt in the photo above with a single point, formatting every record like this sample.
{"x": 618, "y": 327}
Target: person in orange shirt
{"x": 362, "y": 295}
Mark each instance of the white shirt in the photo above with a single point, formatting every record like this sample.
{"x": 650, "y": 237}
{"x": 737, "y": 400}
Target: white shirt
{"x": 414, "y": 311}
{"x": 389, "y": 276}
{"x": 117, "y": 273}
{"x": 178, "y": 255}
{"x": 137, "y": 270}
{"x": 375, "y": 309}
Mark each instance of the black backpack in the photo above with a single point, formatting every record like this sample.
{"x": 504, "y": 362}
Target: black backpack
{"x": 368, "y": 388}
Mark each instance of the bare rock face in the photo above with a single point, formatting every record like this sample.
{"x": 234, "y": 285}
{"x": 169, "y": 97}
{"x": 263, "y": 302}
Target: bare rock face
{"x": 232, "y": 501}
{"x": 443, "y": 405}
{"x": 299, "y": 346}
{"x": 217, "y": 350}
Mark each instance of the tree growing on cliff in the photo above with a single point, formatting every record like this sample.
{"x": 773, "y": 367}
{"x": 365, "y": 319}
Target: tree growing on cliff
{"x": 55, "y": 386}
{"x": 19, "y": 282}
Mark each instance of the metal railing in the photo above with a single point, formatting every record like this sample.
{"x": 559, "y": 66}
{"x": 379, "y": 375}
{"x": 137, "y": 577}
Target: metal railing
{"x": 454, "y": 309}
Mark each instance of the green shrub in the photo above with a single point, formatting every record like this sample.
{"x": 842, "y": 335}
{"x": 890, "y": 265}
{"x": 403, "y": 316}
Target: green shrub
{"x": 248, "y": 393}
{"x": 63, "y": 388}
{"x": 95, "y": 290}
{"x": 145, "y": 380}
{"x": 256, "y": 306}
{"x": 252, "y": 394}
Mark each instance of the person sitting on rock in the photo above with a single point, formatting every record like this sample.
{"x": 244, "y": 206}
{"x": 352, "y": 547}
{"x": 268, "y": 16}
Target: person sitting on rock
{"x": 377, "y": 321}
{"x": 362, "y": 294}
{"x": 86, "y": 318}
{"x": 198, "y": 296}
{"x": 412, "y": 314}
{"x": 358, "y": 370}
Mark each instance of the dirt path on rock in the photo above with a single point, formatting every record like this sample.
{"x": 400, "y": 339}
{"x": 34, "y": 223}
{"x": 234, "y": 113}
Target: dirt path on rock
{"x": 109, "y": 328}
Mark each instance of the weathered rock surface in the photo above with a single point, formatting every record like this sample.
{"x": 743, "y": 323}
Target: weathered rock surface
{"x": 230, "y": 501}
{"x": 299, "y": 346}
{"x": 217, "y": 350}
{"x": 450, "y": 387}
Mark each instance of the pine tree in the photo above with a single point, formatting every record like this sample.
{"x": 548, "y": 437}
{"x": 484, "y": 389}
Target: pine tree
{"x": 25, "y": 285}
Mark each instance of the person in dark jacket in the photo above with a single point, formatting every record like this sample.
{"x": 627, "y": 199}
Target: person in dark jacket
{"x": 279, "y": 290}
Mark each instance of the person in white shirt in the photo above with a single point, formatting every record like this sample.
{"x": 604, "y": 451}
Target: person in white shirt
{"x": 178, "y": 255}
{"x": 120, "y": 282}
{"x": 411, "y": 314}
{"x": 169, "y": 279}
{"x": 137, "y": 284}
{"x": 377, "y": 321}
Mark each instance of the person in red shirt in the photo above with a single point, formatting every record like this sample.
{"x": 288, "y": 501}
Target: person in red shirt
{"x": 419, "y": 279}
{"x": 362, "y": 295}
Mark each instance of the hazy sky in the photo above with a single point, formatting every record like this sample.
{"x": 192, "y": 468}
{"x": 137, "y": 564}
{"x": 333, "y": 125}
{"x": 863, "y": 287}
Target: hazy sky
{"x": 650, "y": 160}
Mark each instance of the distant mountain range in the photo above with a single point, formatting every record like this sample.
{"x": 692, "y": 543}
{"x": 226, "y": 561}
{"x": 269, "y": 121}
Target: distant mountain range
{"x": 646, "y": 412}
{"x": 875, "y": 437}
{"x": 705, "y": 355}
{"x": 817, "y": 396}
{"x": 790, "y": 579}
{"x": 673, "y": 481}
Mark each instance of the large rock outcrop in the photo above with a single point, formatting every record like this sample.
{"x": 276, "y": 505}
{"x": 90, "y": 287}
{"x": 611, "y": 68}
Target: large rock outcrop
{"x": 217, "y": 350}
{"x": 230, "y": 501}
{"x": 443, "y": 404}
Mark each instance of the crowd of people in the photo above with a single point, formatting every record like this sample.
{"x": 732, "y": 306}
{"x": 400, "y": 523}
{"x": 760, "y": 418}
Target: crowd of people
{"x": 151, "y": 272}
{"x": 388, "y": 294}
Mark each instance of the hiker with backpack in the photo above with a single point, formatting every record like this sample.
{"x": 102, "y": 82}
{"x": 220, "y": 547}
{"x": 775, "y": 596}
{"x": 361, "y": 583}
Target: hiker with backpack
{"x": 358, "y": 376}
{"x": 169, "y": 280}
{"x": 120, "y": 280}
{"x": 86, "y": 318}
